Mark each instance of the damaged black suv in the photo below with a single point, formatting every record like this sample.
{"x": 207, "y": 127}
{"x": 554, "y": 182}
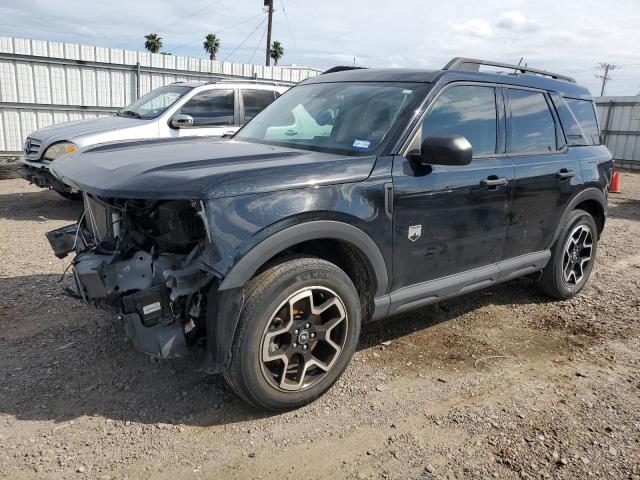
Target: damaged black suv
{"x": 357, "y": 195}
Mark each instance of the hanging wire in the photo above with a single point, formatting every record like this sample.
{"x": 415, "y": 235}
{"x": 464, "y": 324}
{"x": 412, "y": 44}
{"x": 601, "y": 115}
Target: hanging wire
{"x": 259, "y": 43}
{"x": 245, "y": 39}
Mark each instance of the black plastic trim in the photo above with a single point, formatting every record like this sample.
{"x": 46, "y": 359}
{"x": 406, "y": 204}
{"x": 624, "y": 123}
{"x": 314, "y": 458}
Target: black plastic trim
{"x": 246, "y": 267}
{"x": 590, "y": 193}
{"x": 419, "y": 295}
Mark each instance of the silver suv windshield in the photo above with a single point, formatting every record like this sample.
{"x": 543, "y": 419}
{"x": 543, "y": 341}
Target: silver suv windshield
{"x": 352, "y": 118}
{"x": 155, "y": 102}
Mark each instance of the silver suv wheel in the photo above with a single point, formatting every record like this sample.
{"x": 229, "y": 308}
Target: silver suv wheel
{"x": 577, "y": 254}
{"x": 304, "y": 339}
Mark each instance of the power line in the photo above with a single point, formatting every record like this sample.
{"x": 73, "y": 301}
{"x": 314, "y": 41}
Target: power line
{"x": 220, "y": 31}
{"x": 286, "y": 17}
{"x": 258, "y": 46}
{"x": 245, "y": 39}
{"x": 177, "y": 21}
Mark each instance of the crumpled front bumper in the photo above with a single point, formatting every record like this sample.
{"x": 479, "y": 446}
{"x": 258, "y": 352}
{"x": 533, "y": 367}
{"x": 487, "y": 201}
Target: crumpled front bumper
{"x": 147, "y": 312}
{"x": 38, "y": 173}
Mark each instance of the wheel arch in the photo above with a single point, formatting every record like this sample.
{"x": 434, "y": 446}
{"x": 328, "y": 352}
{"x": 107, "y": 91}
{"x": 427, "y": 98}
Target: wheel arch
{"x": 226, "y": 300}
{"x": 592, "y": 200}
{"x": 302, "y": 234}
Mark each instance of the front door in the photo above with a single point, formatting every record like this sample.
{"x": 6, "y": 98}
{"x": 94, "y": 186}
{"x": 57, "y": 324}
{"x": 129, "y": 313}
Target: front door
{"x": 451, "y": 219}
{"x": 213, "y": 112}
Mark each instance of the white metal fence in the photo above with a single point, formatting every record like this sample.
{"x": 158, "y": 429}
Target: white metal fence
{"x": 42, "y": 83}
{"x": 620, "y": 125}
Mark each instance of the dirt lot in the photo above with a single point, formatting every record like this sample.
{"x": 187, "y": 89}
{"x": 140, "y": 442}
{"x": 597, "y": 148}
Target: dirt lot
{"x": 76, "y": 401}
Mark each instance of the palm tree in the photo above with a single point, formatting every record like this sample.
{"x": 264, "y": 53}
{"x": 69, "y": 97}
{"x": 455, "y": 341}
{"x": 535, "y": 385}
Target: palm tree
{"x": 153, "y": 42}
{"x": 276, "y": 51}
{"x": 211, "y": 45}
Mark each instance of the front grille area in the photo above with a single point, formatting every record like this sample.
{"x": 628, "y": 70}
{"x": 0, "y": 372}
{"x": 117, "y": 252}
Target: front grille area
{"x": 31, "y": 148}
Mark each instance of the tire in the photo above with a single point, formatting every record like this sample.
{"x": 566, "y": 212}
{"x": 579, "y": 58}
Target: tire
{"x": 296, "y": 284}
{"x": 554, "y": 281}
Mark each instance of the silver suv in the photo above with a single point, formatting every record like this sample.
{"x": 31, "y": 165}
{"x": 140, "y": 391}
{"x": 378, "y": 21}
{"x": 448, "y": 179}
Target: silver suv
{"x": 182, "y": 109}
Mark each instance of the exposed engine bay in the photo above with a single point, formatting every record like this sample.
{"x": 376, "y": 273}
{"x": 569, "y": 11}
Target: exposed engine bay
{"x": 145, "y": 261}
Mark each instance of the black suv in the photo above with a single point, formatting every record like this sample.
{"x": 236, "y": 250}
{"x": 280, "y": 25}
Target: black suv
{"x": 358, "y": 194}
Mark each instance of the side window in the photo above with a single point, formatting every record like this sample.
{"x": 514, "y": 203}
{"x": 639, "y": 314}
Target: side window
{"x": 211, "y": 108}
{"x": 465, "y": 110}
{"x": 532, "y": 128}
{"x": 585, "y": 114}
{"x": 254, "y": 101}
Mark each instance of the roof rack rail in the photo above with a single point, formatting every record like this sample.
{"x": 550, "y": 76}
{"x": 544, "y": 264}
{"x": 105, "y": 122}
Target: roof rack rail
{"x": 472, "y": 64}
{"x": 257, "y": 81}
{"x": 341, "y": 68}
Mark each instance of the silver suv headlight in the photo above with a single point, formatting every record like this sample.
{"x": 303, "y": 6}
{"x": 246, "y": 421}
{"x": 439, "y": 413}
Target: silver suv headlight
{"x": 58, "y": 149}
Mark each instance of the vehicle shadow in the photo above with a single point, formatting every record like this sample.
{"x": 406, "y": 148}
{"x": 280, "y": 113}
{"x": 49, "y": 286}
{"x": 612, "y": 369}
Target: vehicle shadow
{"x": 38, "y": 206}
{"x": 63, "y": 359}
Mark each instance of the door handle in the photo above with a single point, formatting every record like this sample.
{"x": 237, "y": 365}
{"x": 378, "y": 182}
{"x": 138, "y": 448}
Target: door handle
{"x": 564, "y": 174}
{"x": 493, "y": 181}
{"x": 290, "y": 133}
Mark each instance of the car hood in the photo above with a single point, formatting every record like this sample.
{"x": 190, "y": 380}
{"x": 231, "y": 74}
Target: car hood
{"x": 202, "y": 168}
{"x": 72, "y": 130}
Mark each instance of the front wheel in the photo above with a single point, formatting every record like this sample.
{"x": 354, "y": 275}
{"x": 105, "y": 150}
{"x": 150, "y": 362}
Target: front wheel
{"x": 297, "y": 332}
{"x": 572, "y": 257}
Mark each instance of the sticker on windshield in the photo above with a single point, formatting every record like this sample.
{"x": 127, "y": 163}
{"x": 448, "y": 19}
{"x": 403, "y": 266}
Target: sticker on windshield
{"x": 361, "y": 144}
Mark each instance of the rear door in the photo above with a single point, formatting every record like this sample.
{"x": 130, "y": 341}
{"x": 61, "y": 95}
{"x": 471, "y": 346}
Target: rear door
{"x": 253, "y": 101}
{"x": 452, "y": 219}
{"x": 547, "y": 174}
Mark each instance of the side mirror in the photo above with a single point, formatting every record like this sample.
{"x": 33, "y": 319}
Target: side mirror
{"x": 443, "y": 150}
{"x": 182, "y": 121}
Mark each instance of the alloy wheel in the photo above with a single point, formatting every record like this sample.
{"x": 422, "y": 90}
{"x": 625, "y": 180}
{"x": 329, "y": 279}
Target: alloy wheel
{"x": 304, "y": 338}
{"x": 577, "y": 255}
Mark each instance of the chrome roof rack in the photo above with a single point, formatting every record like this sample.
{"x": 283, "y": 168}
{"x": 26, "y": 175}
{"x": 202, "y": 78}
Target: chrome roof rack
{"x": 277, "y": 83}
{"x": 473, "y": 65}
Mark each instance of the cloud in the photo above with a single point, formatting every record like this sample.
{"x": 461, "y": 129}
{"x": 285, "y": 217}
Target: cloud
{"x": 324, "y": 34}
{"x": 516, "y": 22}
{"x": 475, "y": 28}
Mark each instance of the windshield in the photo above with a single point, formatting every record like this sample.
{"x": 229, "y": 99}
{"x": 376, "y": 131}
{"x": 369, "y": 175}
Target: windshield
{"x": 155, "y": 102}
{"x": 347, "y": 117}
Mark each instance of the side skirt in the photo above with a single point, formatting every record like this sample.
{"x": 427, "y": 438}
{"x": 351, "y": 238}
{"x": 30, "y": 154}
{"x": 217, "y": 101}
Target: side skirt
{"x": 426, "y": 293}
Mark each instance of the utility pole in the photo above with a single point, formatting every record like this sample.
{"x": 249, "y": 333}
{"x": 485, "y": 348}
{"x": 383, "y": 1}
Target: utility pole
{"x": 269, "y": 5}
{"x": 607, "y": 67}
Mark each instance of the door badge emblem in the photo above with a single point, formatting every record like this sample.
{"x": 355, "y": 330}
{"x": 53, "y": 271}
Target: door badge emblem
{"x": 414, "y": 232}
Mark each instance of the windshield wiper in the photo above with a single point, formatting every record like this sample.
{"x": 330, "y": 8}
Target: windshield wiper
{"x": 129, "y": 112}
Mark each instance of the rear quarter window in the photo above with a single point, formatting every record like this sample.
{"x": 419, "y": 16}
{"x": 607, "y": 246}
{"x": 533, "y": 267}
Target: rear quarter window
{"x": 585, "y": 116}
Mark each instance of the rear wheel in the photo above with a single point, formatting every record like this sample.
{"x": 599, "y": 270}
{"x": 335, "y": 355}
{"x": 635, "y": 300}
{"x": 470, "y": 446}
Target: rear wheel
{"x": 572, "y": 257}
{"x": 296, "y": 335}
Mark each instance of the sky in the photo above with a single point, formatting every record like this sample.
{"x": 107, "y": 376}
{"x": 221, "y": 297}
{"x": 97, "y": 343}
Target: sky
{"x": 570, "y": 37}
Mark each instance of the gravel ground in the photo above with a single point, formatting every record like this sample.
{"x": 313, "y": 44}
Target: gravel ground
{"x": 418, "y": 401}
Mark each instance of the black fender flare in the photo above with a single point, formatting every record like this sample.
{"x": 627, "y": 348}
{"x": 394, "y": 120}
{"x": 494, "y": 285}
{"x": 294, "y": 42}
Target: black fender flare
{"x": 226, "y": 300}
{"x": 247, "y": 266}
{"x": 590, "y": 193}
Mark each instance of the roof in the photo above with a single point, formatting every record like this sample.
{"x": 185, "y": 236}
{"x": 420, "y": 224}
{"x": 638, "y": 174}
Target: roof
{"x": 410, "y": 75}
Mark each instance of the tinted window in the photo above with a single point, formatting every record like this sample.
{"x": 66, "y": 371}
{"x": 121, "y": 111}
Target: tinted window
{"x": 213, "y": 107}
{"x": 532, "y": 128}
{"x": 351, "y": 118}
{"x": 254, "y": 101}
{"x": 468, "y": 111}
{"x": 586, "y": 116}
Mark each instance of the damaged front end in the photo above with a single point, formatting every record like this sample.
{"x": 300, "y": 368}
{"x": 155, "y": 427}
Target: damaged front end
{"x": 147, "y": 261}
